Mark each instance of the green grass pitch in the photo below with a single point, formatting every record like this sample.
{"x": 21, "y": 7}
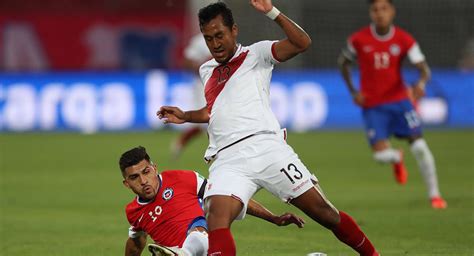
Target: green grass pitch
{"x": 62, "y": 194}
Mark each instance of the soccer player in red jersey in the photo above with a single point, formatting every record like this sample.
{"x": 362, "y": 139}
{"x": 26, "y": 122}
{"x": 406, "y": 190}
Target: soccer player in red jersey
{"x": 168, "y": 207}
{"x": 247, "y": 146}
{"x": 379, "y": 50}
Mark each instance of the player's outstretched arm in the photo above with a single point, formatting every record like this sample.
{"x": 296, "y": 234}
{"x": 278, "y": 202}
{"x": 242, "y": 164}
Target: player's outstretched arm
{"x": 256, "y": 209}
{"x": 425, "y": 75}
{"x": 174, "y": 115}
{"x": 345, "y": 65}
{"x": 297, "y": 40}
{"x": 134, "y": 246}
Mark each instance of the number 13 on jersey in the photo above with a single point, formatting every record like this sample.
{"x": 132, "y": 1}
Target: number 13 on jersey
{"x": 381, "y": 60}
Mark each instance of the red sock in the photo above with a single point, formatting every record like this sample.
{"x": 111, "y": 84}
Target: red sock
{"x": 349, "y": 233}
{"x": 221, "y": 243}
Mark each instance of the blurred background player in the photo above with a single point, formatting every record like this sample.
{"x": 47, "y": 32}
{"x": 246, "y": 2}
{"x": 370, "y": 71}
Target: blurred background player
{"x": 195, "y": 54}
{"x": 247, "y": 147}
{"x": 379, "y": 50}
{"x": 168, "y": 207}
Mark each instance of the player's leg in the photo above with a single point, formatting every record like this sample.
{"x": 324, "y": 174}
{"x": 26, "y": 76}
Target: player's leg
{"x": 221, "y": 211}
{"x": 183, "y": 140}
{"x": 289, "y": 179}
{"x": 226, "y": 198}
{"x": 426, "y": 163}
{"x": 377, "y": 123}
{"x": 317, "y": 207}
{"x": 196, "y": 243}
{"x": 409, "y": 126}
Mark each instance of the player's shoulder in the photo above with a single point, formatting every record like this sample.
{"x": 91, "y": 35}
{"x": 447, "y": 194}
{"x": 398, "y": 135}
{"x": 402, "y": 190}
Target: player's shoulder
{"x": 259, "y": 46}
{"x": 208, "y": 66}
{"x": 181, "y": 178}
{"x": 177, "y": 173}
{"x": 361, "y": 32}
{"x": 404, "y": 36}
{"x": 206, "y": 69}
{"x": 401, "y": 32}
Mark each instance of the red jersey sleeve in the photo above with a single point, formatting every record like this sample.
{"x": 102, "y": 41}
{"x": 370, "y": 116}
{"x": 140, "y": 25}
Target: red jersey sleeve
{"x": 407, "y": 38}
{"x": 351, "y": 48}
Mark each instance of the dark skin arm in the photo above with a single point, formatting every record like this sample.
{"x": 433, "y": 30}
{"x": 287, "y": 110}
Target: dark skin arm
{"x": 256, "y": 209}
{"x": 425, "y": 75}
{"x": 345, "y": 65}
{"x": 297, "y": 40}
{"x": 175, "y": 115}
{"x": 135, "y": 246}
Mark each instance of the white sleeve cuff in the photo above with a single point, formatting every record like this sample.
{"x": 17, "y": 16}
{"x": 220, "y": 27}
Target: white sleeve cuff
{"x": 200, "y": 181}
{"x": 134, "y": 234}
{"x": 349, "y": 52}
{"x": 273, "y": 13}
{"x": 415, "y": 55}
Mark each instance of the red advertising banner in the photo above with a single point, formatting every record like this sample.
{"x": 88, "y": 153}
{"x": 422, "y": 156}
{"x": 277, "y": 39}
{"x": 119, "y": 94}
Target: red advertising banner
{"x": 81, "y": 40}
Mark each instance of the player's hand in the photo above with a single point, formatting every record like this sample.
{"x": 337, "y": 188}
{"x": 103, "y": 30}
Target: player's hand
{"x": 419, "y": 90}
{"x": 263, "y": 6}
{"x": 171, "y": 115}
{"x": 287, "y": 219}
{"x": 358, "y": 98}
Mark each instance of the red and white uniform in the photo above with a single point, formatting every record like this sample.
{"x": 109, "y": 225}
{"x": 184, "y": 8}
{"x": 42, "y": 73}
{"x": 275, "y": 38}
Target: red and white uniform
{"x": 237, "y": 95}
{"x": 380, "y": 61}
{"x": 245, "y": 138}
{"x": 167, "y": 218}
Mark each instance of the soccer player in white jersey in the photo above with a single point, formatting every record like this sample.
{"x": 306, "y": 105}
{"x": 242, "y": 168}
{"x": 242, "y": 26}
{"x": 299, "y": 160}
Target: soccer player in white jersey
{"x": 246, "y": 144}
{"x": 195, "y": 54}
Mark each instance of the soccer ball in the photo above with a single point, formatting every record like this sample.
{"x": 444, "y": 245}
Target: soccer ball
{"x": 316, "y": 254}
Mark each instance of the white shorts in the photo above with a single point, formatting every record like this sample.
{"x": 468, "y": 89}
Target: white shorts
{"x": 262, "y": 161}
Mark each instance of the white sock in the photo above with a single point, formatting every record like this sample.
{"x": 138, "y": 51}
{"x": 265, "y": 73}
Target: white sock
{"x": 196, "y": 244}
{"x": 388, "y": 155}
{"x": 426, "y": 162}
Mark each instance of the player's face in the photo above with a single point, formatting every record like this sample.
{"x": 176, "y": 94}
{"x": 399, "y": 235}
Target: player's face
{"x": 382, "y": 13}
{"x": 142, "y": 179}
{"x": 220, "y": 39}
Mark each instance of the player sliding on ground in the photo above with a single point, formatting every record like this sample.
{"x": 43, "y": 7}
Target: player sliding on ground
{"x": 380, "y": 49}
{"x": 168, "y": 208}
{"x": 246, "y": 143}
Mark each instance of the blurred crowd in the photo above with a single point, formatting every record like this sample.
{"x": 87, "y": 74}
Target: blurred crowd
{"x": 149, "y": 34}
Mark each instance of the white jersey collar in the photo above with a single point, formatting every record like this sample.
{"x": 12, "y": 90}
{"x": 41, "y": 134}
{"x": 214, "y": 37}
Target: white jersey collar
{"x": 385, "y": 37}
{"x": 237, "y": 52}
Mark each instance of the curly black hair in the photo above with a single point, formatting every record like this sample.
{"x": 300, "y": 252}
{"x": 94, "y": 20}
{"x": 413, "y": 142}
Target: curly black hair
{"x": 211, "y": 11}
{"x": 133, "y": 157}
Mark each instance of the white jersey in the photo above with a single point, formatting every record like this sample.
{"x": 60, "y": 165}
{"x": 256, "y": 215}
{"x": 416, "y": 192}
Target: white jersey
{"x": 238, "y": 95}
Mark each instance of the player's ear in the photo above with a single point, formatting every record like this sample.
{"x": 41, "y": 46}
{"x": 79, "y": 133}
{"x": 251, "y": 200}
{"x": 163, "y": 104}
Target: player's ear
{"x": 125, "y": 183}
{"x": 235, "y": 30}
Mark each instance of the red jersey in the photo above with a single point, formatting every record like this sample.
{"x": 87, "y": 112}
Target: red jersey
{"x": 167, "y": 218}
{"x": 380, "y": 61}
